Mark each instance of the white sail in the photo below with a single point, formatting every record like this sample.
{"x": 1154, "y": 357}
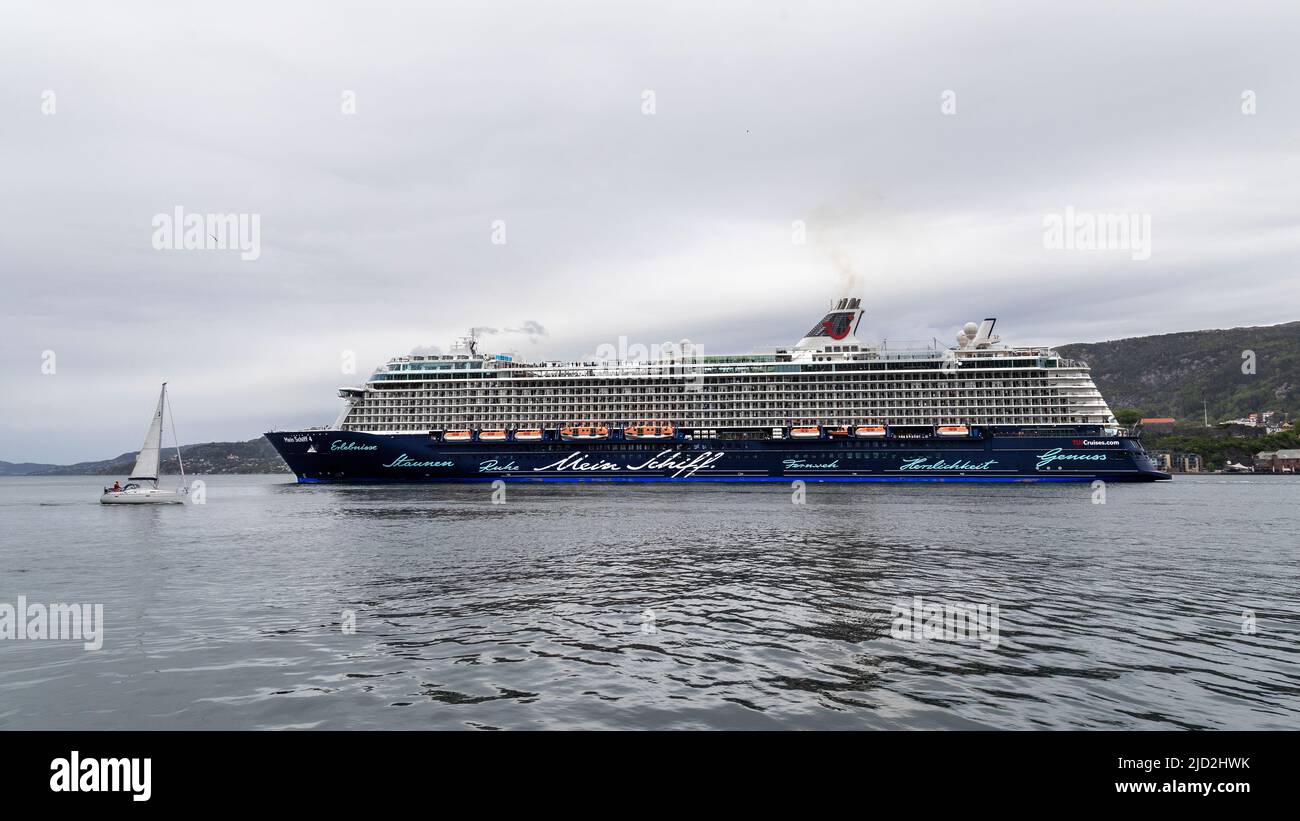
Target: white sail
{"x": 146, "y": 463}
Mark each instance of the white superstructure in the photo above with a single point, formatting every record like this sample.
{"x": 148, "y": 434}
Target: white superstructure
{"x": 829, "y": 378}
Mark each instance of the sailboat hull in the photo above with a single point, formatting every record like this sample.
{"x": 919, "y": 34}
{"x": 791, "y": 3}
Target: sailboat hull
{"x": 142, "y": 497}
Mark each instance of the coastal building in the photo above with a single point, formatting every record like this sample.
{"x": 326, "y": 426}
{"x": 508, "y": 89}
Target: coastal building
{"x": 1280, "y": 461}
{"x": 1286, "y": 461}
{"x": 1266, "y": 422}
{"x": 1188, "y": 463}
{"x": 1164, "y": 460}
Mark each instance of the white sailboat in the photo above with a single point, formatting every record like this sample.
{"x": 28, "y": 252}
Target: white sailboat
{"x": 141, "y": 486}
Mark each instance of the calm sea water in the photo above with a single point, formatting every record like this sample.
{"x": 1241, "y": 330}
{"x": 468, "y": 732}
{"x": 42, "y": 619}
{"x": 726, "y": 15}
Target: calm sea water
{"x": 654, "y": 606}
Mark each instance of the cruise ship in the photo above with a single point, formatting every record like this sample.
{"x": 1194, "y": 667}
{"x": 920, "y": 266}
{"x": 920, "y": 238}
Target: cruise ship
{"x": 830, "y": 408}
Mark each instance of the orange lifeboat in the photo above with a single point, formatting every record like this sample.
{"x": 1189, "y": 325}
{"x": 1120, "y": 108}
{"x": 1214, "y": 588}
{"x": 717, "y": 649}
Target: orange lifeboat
{"x": 457, "y": 436}
{"x": 584, "y": 432}
{"x": 492, "y": 436}
{"x": 805, "y": 433}
{"x": 648, "y": 431}
{"x": 528, "y": 435}
{"x": 869, "y": 431}
{"x": 841, "y": 431}
{"x": 953, "y": 430}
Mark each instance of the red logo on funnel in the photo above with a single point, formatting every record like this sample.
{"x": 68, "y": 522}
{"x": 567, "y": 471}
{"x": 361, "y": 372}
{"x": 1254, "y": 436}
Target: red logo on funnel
{"x": 842, "y": 322}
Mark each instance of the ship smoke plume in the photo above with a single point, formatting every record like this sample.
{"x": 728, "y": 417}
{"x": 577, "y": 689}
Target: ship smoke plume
{"x": 530, "y": 328}
{"x": 846, "y": 276}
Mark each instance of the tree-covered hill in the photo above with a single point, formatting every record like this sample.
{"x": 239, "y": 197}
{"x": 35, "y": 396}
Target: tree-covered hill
{"x": 1171, "y": 374}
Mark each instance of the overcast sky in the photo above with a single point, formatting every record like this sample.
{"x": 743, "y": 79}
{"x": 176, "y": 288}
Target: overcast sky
{"x": 377, "y": 226}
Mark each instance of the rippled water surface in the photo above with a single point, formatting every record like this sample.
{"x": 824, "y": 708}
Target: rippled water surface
{"x": 657, "y": 606}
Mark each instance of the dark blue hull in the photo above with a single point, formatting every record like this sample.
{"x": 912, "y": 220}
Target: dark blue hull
{"x": 988, "y": 455}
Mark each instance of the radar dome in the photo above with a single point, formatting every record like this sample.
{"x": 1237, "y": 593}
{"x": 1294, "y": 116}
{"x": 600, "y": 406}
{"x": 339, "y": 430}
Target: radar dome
{"x": 971, "y": 329}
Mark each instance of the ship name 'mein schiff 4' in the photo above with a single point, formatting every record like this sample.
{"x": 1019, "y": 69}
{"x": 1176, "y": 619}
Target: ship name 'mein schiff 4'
{"x": 830, "y": 408}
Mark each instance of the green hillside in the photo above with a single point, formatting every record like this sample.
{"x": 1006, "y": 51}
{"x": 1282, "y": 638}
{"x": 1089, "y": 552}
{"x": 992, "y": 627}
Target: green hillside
{"x": 1171, "y": 374}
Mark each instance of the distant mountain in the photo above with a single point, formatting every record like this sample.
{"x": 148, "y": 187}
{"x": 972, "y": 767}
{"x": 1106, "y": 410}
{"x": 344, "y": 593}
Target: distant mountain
{"x": 253, "y": 456}
{"x": 24, "y": 468}
{"x": 1171, "y": 374}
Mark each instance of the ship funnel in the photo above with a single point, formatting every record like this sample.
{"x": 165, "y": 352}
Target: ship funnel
{"x": 837, "y": 327}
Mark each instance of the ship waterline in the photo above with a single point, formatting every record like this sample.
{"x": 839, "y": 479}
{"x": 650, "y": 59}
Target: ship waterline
{"x": 829, "y": 408}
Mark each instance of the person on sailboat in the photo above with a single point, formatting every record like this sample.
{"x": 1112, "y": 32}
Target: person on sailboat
{"x": 117, "y": 486}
